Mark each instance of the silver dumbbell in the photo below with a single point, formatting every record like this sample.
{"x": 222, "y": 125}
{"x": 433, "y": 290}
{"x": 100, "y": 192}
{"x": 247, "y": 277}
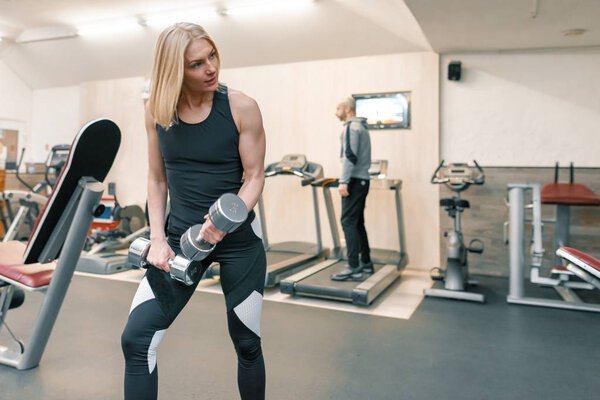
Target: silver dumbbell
{"x": 182, "y": 269}
{"x": 226, "y": 214}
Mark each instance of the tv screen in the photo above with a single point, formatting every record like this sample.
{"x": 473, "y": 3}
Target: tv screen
{"x": 384, "y": 110}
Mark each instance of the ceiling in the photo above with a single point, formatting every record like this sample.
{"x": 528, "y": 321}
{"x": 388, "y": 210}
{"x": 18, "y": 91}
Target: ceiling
{"x": 322, "y": 29}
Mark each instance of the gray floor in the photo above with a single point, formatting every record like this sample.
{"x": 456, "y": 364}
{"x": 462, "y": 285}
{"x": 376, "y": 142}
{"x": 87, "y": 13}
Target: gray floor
{"x": 447, "y": 350}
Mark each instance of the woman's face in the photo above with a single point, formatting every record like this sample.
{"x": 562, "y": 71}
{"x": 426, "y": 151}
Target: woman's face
{"x": 201, "y": 68}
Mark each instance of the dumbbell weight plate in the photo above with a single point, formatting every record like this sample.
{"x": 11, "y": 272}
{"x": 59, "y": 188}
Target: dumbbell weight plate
{"x": 193, "y": 249}
{"x": 138, "y": 251}
{"x": 184, "y": 270}
{"x": 228, "y": 212}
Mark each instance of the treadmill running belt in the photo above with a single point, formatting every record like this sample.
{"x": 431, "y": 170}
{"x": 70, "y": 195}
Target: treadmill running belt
{"x": 321, "y": 284}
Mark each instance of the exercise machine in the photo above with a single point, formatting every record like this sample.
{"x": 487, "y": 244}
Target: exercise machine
{"x": 458, "y": 177}
{"x": 565, "y": 280}
{"x": 30, "y": 202}
{"x": 287, "y": 258}
{"x": 565, "y": 195}
{"x": 59, "y": 234}
{"x": 108, "y": 254}
{"x": 315, "y": 281}
{"x": 112, "y": 232}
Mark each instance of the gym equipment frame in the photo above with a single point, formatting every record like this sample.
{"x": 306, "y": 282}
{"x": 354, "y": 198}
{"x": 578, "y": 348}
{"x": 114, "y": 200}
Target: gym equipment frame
{"x": 60, "y": 230}
{"x": 458, "y": 177}
{"x": 561, "y": 278}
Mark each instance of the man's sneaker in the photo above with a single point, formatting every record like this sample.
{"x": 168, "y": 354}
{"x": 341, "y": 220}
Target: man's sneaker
{"x": 367, "y": 268}
{"x": 348, "y": 274}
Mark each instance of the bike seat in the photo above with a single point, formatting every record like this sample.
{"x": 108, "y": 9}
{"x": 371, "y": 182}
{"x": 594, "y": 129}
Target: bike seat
{"x": 454, "y": 203}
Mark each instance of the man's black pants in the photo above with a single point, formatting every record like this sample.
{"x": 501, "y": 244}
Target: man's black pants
{"x": 353, "y": 222}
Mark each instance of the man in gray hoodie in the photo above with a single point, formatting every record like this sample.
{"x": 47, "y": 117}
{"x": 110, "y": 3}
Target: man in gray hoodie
{"x": 353, "y": 187}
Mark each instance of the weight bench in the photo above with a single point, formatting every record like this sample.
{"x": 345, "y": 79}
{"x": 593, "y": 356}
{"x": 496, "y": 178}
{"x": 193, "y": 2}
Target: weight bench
{"x": 586, "y": 267}
{"x": 47, "y": 262}
{"x": 564, "y": 196}
{"x": 561, "y": 278}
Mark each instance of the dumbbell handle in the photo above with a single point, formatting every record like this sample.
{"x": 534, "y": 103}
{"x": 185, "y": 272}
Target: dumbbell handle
{"x": 226, "y": 214}
{"x": 182, "y": 269}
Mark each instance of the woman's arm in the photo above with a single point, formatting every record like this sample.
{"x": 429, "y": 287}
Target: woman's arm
{"x": 157, "y": 199}
{"x": 249, "y": 122}
{"x": 252, "y": 150}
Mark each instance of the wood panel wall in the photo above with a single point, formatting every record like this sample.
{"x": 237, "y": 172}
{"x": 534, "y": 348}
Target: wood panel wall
{"x": 121, "y": 101}
{"x": 298, "y": 106}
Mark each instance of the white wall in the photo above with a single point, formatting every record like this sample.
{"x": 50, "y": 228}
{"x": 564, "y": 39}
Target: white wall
{"x": 55, "y": 120}
{"x": 522, "y": 109}
{"x": 15, "y": 104}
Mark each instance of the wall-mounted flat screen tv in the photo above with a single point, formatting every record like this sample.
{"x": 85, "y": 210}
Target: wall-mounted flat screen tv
{"x": 384, "y": 110}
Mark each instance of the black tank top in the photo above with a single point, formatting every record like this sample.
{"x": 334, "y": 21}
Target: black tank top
{"x": 202, "y": 162}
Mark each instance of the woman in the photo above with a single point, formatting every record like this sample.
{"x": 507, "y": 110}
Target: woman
{"x": 204, "y": 140}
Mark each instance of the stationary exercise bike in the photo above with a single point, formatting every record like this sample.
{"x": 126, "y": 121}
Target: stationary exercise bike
{"x": 457, "y": 177}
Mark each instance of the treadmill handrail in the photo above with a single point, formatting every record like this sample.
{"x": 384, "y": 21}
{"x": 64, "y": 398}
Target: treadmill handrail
{"x": 376, "y": 183}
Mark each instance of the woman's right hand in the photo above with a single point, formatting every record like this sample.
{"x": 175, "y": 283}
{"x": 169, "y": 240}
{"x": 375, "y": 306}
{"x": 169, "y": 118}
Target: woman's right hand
{"x": 159, "y": 254}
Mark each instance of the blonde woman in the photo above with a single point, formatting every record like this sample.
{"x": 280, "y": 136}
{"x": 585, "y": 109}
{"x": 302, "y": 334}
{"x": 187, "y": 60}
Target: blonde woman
{"x": 204, "y": 140}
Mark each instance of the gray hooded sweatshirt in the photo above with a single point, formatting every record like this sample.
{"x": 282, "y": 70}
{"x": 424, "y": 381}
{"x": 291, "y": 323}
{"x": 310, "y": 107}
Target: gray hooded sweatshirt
{"x": 355, "y": 150}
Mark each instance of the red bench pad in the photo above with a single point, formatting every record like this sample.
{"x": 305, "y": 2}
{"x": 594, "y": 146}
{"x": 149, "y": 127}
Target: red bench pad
{"x": 571, "y": 194}
{"x": 12, "y": 267}
{"x": 582, "y": 257}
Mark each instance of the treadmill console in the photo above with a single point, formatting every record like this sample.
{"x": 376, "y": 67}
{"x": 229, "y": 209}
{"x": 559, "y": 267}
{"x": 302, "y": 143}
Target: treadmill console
{"x": 378, "y": 169}
{"x": 295, "y": 164}
{"x": 458, "y": 176}
{"x": 292, "y": 161}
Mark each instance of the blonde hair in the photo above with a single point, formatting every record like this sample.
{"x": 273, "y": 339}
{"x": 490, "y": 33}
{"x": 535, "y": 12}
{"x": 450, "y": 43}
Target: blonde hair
{"x": 168, "y": 67}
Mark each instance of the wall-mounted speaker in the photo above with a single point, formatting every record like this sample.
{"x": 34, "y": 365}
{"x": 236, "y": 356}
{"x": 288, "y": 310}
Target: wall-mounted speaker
{"x": 454, "y": 70}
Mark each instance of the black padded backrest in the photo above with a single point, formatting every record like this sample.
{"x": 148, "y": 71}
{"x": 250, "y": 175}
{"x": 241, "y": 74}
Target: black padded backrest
{"x": 92, "y": 154}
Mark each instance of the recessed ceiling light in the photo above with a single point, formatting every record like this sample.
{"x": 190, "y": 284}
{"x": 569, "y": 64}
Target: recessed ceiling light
{"x": 574, "y": 32}
{"x": 265, "y": 7}
{"x": 108, "y": 27}
{"x": 45, "y": 33}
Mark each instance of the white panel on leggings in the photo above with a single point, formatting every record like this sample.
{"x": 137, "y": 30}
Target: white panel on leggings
{"x": 256, "y": 227}
{"x": 152, "y": 349}
{"x": 144, "y": 293}
{"x": 249, "y": 311}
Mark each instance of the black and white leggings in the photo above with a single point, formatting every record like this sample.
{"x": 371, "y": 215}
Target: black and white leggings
{"x": 159, "y": 299}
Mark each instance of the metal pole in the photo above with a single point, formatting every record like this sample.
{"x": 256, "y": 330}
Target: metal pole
{"x": 90, "y": 198}
{"x": 561, "y": 229}
{"x": 317, "y": 220}
{"x": 400, "y": 218}
{"x": 335, "y": 236}
{"x": 516, "y": 229}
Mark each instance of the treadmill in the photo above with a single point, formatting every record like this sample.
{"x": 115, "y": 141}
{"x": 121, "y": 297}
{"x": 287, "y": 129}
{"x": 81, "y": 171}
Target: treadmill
{"x": 109, "y": 256}
{"x": 316, "y": 280}
{"x": 287, "y": 258}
